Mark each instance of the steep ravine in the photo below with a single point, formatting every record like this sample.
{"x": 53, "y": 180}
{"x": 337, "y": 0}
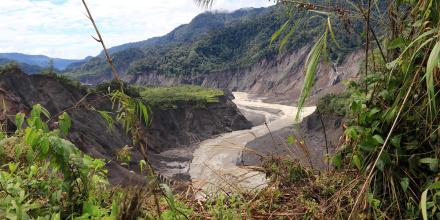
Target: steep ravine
{"x": 171, "y": 129}
{"x": 281, "y": 78}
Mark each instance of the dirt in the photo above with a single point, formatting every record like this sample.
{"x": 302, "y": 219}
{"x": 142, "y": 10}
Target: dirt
{"x": 310, "y": 130}
{"x": 280, "y": 78}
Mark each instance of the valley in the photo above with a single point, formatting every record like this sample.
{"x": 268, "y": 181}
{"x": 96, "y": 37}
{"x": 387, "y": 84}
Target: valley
{"x": 286, "y": 110}
{"x": 215, "y": 165}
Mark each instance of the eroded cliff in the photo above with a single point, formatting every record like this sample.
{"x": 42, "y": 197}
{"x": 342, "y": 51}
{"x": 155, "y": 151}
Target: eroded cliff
{"x": 172, "y": 128}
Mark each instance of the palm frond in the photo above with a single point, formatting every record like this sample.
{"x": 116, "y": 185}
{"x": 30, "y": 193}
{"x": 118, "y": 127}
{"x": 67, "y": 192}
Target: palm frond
{"x": 310, "y": 69}
{"x": 204, "y": 3}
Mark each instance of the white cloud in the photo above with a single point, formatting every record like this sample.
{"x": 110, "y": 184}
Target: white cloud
{"x": 59, "y": 28}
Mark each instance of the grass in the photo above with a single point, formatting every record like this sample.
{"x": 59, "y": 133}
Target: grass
{"x": 169, "y": 97}
{"x": 335, "y": 104}
{"x": 294, "y": 192}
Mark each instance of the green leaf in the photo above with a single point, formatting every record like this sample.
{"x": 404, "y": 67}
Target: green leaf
{"x": 291, "y": 140}
{"x": 90, "y": 209}
{"x": 435, "y": 185}
{"x": 356, "y": 161}
{"x": 433, "y": 60}
{"x": 356, "y": 106}
{"x": 106, "y": 116}
{"x": 337, "y": 161}
{"x": 393, "y": 64}
{"x": 329, "y": 25}
{"x": 19, "y": 120}
{"x": 404, "y": 183}
{"x": 289, "y": 35}
{"x": 279, "y": 32}
{"x": 44, "y": 145}
{"x": 115, "y": 209}
{"x": 373, "y": 202}
{"x": 395, "y": 141}
{"x": 142, "y": 165}
{"x": 29, "y": 136}
{"x": 143, "y": 113}
{"x": 169, "y": 195}
{"x": 423, "y": 205}
{"x": 351, "y": 132}
{"x": 373, "y": 112}
{"x": 65, "y": 123}
{"x": 378, "y": 139}
{"x": 396, "y": 43}
{"x": 431, "y": 162}
{"x": 310, "y": 70}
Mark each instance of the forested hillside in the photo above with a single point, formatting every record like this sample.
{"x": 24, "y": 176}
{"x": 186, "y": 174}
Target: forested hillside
{"x": 215, "y": 42}
{"x": 27, "y": 68}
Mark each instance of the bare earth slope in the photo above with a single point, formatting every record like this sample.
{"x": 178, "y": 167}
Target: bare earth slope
{"x": 282, "y": 78}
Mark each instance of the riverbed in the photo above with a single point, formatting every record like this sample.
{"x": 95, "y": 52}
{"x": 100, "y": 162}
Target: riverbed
{"x": 215, "y": 165}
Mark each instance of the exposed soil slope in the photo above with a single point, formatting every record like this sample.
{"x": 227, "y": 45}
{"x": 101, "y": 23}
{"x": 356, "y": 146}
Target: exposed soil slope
{"x": 170, "y": 128}
{"x": 282, "y": 78}
{"x": 310, "y": 130}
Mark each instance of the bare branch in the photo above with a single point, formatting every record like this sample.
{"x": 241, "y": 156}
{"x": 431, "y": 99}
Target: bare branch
{"x": 100, "y": 40}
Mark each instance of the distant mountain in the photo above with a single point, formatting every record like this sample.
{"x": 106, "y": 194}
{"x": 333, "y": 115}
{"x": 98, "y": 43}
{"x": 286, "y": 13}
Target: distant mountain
{"x": 37, "y": 60}
{"x": 27, "y": 68}
{"x": 215, "y": 42}
{"x": 199, "y": 26}
{"x": 78, "y": 64}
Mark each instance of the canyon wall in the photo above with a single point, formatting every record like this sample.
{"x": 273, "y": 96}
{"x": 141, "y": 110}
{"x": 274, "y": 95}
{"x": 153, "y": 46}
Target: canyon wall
{"x": 171, "y": 128}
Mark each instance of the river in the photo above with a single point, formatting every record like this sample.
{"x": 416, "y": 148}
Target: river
{"x": 215, "y": 168}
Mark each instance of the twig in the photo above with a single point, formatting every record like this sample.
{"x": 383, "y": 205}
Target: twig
{"x": 270, "y": 132}
{"x": 100, "y": 40}
{"x": 325, "y": 136}
{"x": 367, "y": 45}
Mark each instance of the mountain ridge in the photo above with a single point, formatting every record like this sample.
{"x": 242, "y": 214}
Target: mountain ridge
{"x": 42, "y": 61}
{"x": 173, "y": 35}
{"x": 219, "y": 42}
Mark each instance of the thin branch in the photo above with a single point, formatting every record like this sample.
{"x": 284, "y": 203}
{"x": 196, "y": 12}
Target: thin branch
{"x": 325, "y": 137}
{"x": 367, "y": 45}
{"x": 100, "y": 40}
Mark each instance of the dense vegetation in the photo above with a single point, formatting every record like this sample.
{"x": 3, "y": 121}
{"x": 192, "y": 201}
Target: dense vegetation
{"x": 29, "y": 69}
{"x": 169, "y": 97}
{"x": 392, "y": 129}
{"x": 215, "y": 42}
{"x": 44, "y": 176}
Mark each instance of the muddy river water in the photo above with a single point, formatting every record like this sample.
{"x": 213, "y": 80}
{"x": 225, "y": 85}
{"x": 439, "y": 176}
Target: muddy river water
{"x": 215, "y": 168}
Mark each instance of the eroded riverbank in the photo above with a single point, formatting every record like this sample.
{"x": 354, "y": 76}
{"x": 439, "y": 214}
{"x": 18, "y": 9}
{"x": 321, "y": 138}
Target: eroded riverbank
{"x": 214, "y": 166}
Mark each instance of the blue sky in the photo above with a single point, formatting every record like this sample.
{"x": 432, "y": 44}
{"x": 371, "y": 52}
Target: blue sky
{"x": 59, "y": 28}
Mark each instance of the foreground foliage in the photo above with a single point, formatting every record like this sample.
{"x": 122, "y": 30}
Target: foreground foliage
{"x": 45, "y": 176}
{"x": 392, "y": 136}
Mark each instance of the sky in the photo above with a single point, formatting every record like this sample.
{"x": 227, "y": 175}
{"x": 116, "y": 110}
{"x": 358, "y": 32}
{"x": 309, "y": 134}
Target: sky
{"x": 60, "y": 29}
